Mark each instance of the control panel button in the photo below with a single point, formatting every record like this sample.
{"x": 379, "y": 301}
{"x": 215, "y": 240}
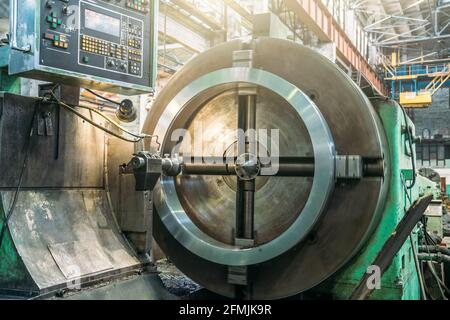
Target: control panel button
{"x": 75, "y": 36}
{"x": 53, "y": 20}
{"x": 125, "y": 55}
{"x": 49, "y": 36}
{"x": 138, "y": 5}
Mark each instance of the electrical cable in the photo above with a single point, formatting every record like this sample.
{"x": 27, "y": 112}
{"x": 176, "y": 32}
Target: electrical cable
{"x": 444, "y": 286}
{"x": 102, "y": 97}
{"x": 26, "y": 151}
{"x": 435, "y": 249}
{"x": 436, "y": 277}
{"x": 430, "y": 240}
{"x": 69, "y": 108}
{"x": 27, "y": 145}
{"x": 430, "y": 258}
{"x": 435, "y": 257}
{"x": 413, "y": 160}
{"x": 405, "y": 187}
{"x": 427, "y": 238}
{"x": 418, "y": 270}
{"x": 139, "y": 137}
{"x": 114, "y": 122}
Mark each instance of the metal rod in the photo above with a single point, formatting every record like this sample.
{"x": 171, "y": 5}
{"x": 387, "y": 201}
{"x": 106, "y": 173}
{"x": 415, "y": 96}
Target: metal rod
{"x": 245, "y": 195}
{"x": 286, "y": 167}
{"x": 250, "y": 125}
{"x": 373, "y": 168}
{"x": 284, "y": 170}
{"x": 418, "y": 270}
{"x": 294, "y": 170}
{"x": 423, "y": 39}
{"x": 249, "y": 188}
{"x": 247, "y": 124}
{"x": 209, "y": 169}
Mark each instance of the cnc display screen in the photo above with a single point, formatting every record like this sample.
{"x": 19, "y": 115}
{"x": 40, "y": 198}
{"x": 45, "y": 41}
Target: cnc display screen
{"x": 101, "y": 23}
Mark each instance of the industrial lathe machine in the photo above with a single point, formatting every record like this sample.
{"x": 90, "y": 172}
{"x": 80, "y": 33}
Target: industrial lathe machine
{"x": 262, "y": 170}
{"x": 344, "y": 175}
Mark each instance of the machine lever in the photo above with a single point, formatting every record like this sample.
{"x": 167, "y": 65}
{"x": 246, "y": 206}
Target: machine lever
{"x": 393, "y": 245}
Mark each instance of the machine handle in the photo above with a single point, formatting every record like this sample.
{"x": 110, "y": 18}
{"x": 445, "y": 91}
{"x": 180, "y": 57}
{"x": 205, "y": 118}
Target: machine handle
{"x": 13, "y": 30}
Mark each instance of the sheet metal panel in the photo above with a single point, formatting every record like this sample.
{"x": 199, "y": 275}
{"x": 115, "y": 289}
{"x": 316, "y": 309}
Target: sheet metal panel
{"x": 73, "y": 157}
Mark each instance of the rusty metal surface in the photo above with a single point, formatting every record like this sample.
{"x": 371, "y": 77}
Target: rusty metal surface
{"x": 78, "y": 258}
{"x": 63, "y": 225}
{"x": 143, "y": 287}
{"x": 77, "y": 163}
{"x": 354, "y": 207}
{"x": 133, "y": 209}
{"x": 59, "y": 232}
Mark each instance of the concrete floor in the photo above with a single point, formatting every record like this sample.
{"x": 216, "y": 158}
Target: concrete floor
{"x": 167, "y": 283}
{"x": 142, "y": 287}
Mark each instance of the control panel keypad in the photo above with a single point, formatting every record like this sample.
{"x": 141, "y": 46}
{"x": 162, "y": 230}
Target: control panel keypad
{"x": 108, "y": 39}
{"x": 125, "y": 56}
{"x": 102, "y": 47}
{"x": 138, "y": 5}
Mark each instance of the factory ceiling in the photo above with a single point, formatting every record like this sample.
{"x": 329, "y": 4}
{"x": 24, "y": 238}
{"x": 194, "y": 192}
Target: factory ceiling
{"x": 406, "y": 23}
{"x": 4, "y": 5}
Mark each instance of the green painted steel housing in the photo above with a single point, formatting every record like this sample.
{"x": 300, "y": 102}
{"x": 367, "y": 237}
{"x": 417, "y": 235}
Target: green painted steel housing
{"x": 400, "y": 281}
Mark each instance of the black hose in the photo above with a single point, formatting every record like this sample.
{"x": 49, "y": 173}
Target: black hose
{"x": 434, "y": 257}
{"x": 434, "y": 249}
{"x": 413, "y": 159}
{"x": 439, "y": 281}
{"x": 102, "y": 97}
{"x": 69, "y": 108}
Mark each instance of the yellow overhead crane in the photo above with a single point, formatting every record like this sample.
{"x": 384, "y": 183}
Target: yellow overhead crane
{"x": 414, "y": 84}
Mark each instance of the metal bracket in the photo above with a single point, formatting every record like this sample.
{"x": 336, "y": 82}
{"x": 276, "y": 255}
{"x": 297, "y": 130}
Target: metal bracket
{"x": 349, "y": 167}
{"x": 44, "y": 120}
{"x": 238, "y": 275}
{"x": 243, "y": 58}
{"x": 244, "y": 243}
{"x": 147, "y": 170}
{"x": 45, "y": 125}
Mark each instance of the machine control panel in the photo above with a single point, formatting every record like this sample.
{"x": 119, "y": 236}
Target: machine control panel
{"x": 95, "y": 41}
